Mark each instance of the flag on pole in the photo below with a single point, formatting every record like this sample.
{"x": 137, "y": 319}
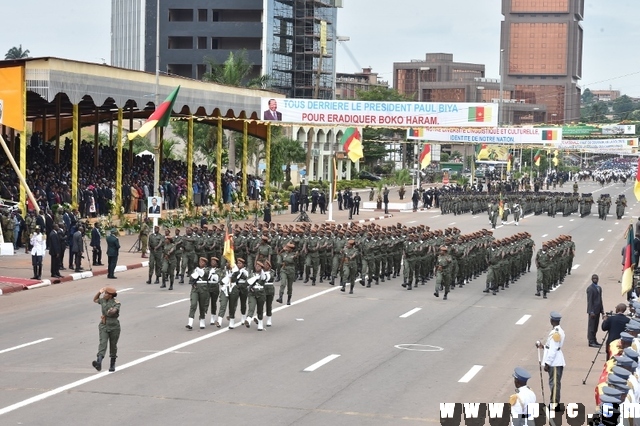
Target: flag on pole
{"x": 500, "y": 206}
{"x": 536, "y": 159}
{"x": 627, "y": 273}
{"x": 509, "y": 159}
{"x": 335, "y": 179}
{"x": 636, "y": 188}
{"x": 160, "y": 116}
{"x": 425, "y": 156}
{"x": 353, "y": 144}
{"x": 229, "y": 252}
{"x": 556, "y": 154}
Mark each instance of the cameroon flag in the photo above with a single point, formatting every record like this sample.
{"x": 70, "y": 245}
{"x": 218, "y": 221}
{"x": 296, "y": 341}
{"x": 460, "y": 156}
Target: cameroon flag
{"x": 425, "y": 156}
{"x": 636, "y": 188}
{"x": 483, "y": 152}
{"x": 353, "y": 144}
{"x": 229, "y": 252}
{"x": 160, "y": 116}
{"x": 479, "y": 115}
{"x": 536, "y": 159}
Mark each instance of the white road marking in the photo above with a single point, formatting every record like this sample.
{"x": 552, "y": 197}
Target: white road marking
{"x": 616, "y": 223}
{"x": 172, "y": 303}
{"x": 436, "y": 216}
{"x": 590, "y": 251}
{"x": 575, "y": 267}
{"x": 452, "y": 223}
{"x": 320, "y": 363}
{"x": 544, "y": 235}
{"x": 25, "y": 345}
{"x": 133, "y": 363}
{"x": 609, "y": 230}
{"x": 411, "y": 312}
{"x": 413, "y": 221}
{"x": 125, "y": 289}
{"x": 470, "y": 374}
{"x": 571, "y": 220}
{"x": 601, "y": 239}
{"x": 475, "y": 217}
{"x": 561, "y": 226}
{"x": 523, "y": 319}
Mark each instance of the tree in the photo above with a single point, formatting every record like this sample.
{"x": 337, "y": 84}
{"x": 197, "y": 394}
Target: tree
{"x": 587, "y": 96}
{"x": 205, "y": 140}
{"x": 168, "y": 149}
{"x": 234, "y": 72}
{"x": 375, "y": 140}
{"x": 16, "y": 53}
{"x": 285, "y": 152}
{"x": 623, "y": 106}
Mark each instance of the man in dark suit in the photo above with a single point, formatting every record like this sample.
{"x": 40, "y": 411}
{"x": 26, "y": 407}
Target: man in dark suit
{"x": 55, "y": 251}
{"x": 154, "y": 208}
{"x": 272, "y": 114}
{"x": 594, "y": 309}
{"x": 95, "y": 245}
{"x": 77, "y": 247}
{"x": 113, "y": 248}
{"x": 615, "y": 324}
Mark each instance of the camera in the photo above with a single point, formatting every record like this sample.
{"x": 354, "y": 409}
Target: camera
{"x": 609, "y": 314}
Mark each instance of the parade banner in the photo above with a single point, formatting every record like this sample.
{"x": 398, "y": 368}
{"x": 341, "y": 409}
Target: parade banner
{"x": 495, "y": 135}
{"x": 619, "y": 129}
{"x": 598, "y": 145}
{"x": 390, "y": 114}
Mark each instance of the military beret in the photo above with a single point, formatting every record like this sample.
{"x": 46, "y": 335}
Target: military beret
{"x": 240, "y": 260}
{"x": 291, "y": 245}
{"x": 351, "y": 242}
{"x": 204, "y": 259}
{"x": 622, "y": 372}
{"x": 215, "y": 258}
{"x": 626, "y": 337}
{"x": 629, "y": 352}
{"x": 260, "y": 264}
{"x": 521, "y": 374}
{"x": 267, "y": 264}
{"x": 555, "y": 316}
{"x": 265, "y": 238}
{"x": 110, "y": 290}
{"x": 444, "y": 248}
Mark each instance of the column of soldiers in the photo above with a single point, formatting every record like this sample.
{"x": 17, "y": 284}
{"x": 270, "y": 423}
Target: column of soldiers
{"x": 554, "y": 261}
{"x": 604, "y": 206}
{"x": 520, "y": 204}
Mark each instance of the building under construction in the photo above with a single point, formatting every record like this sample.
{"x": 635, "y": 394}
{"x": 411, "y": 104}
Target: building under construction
{"x": 302, "y": 46}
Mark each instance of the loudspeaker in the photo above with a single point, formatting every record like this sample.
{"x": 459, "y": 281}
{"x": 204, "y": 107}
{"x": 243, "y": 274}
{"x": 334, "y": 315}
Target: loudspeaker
{"x": 304, "y": 190}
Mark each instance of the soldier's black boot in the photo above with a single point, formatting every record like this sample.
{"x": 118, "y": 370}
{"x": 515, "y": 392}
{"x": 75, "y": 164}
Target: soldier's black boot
{"x": 171, "y": 283}
{"x": 112, "y": 367}
{"x": 351, "y": 288}
{"x": 149, "y": 280}
{"x": 343, "y": 287}
{"x": 35, "y": 273}
{"x": 333, "y": 281}
{"x": 164, "y": 281}
{"x": 445, "y": 295}
{"x": 544, "y": 294}
{"x": 313, "y": 281}
{"x": 97, "y": 364}
{"x": 39, "y": 271}
{"x": 181, "y": 279}
{"x": 157, "y": 280}
{"x": 288, "y": 300}
{"x": 279, "y": 299}
{"x": 306, "y": 279}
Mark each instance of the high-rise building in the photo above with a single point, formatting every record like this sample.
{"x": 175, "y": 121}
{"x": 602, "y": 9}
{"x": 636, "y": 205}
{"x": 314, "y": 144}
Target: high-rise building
{"x": 127, "y": 34}
{"x": 349, "y": 84}
{"x": 281, "y": 38}
{"x": 541, "y": 54}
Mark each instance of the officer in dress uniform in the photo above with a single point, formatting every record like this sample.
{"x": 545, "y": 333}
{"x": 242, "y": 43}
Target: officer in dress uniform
{"x": 522, "y": 398}
{"x": 256, "y": 295}
{"x": 553, "y": 358}
{"x": 214, "y": 288}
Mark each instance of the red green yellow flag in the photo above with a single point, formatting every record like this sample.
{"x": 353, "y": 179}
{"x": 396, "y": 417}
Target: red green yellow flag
{"x": 228, "y": 251}
{"x": 627, "y": 273}
{"x": 160, "y": 116}
{"x": 536, "y": 159}
{"x": 483, "y": 153}
{"x": 479, "y": 115}
{"x": 425, "y": 156}
{"x": 353, "y": 144}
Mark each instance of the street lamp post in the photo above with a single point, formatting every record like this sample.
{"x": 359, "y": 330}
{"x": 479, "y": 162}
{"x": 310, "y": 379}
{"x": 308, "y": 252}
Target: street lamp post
{"x": 158, "y": 142}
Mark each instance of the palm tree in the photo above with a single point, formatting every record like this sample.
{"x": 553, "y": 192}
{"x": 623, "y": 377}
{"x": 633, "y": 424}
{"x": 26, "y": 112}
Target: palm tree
{"x": 16, "y": 53}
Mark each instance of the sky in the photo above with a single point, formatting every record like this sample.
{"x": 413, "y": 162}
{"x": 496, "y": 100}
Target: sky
{"x": 380, "y": 33}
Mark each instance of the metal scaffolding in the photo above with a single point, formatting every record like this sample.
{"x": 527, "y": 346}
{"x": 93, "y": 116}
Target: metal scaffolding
{"x": 300, "y": 70}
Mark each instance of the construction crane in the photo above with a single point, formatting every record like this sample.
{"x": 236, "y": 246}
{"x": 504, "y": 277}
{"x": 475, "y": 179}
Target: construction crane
{"x": 342, "y": 41}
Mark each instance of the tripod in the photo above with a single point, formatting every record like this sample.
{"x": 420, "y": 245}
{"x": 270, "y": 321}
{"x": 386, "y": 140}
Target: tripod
{"x": 136, "y": 246}
{"x": 302, "y": 217}
{"x": 584, "y": 382}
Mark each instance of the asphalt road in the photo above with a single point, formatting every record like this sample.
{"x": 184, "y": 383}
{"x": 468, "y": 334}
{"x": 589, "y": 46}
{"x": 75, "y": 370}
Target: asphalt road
{"x": 383, "y": 356}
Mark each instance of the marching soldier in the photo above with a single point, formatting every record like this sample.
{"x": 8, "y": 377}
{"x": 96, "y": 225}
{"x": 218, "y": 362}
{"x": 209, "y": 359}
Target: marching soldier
{"x": 188, "y": 254}
{"x": 442, "y": 274}
{"x": 257, "y": 284}
{"x": 269, "y": 292}
{"x": 542, "y": 263}
{"x": 168, "y": 262}
{"x": 517, "y": 210}
{"x": 288, "y": 272}
{"x": 213, "y": 284}
{"x": 621, "y": 203}
{"x": 199, "y": 296}
{"x": 349, "y": 267}
{"x": 243, "y": 287}
{"x": 177, "y": 240}
{"x": 312, "y": 257}
{"x": 229, "y": 294}
{"x": 155, "y": 259}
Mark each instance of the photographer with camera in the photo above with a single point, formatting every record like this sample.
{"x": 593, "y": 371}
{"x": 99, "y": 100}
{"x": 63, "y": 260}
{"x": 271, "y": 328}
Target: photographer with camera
{"x": 615, "y": 324}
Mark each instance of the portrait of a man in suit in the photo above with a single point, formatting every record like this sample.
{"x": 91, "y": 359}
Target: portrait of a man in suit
{"x": 272, "y": 114}
{"x": 154, "y": 207}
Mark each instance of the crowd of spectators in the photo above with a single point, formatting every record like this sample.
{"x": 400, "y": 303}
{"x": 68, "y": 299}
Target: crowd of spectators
{"x": 51, "y": 182}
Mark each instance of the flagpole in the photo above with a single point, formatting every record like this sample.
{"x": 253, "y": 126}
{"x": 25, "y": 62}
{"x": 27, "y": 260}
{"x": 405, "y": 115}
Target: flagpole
{"x": 331, "y": 179}
{"x": 156, "y": 163}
